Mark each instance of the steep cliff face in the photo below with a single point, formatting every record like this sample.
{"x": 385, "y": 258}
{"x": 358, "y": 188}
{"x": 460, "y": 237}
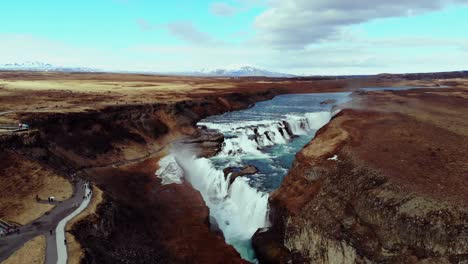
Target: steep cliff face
{"x": 148, "y": 222}
{"x": 394, "y": 192}
{"x": 359, "y": 216}
{"x": 117, "y": 133}
{"x": 118, "y": 147}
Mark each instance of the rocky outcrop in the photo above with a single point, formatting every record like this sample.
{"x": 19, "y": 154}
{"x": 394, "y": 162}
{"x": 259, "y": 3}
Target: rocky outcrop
{"x": 328, "y": 101}
{"x": 207, "y": 142}
{"x": 78, "y": 140}
{"x": 131, "y": 244}
{"x": 239, "y": 172}
{"x": 389, "y": 195}
{"x": 374, "y": 221}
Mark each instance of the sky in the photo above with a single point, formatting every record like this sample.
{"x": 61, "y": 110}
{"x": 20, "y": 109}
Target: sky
{"x": 310, "y": 37}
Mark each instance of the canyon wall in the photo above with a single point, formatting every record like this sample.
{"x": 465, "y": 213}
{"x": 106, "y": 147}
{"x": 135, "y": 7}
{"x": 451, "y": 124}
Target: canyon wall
{"x": 394, "y": 193}
{"x": 118, "y": 148}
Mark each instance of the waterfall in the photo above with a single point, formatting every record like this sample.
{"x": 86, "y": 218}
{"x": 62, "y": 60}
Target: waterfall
{"x": 318, "y": 119}
{"x": 248, "y": 138}
{"x": 238, "y": 208}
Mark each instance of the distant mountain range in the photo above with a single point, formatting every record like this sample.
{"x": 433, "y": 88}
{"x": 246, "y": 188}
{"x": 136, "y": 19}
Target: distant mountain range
{"x": 243, "y": 71}
{"x": 41, "y": 66}
{"x": 233, "y": 71}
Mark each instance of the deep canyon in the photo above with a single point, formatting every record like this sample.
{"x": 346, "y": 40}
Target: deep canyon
{"x": 393, "y": 192}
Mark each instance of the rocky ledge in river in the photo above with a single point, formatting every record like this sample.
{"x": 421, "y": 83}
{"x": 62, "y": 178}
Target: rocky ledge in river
{"x": 383, "y": 182}
{"x": 328, "y": 101}
{"x": 208, "y": 142}
{"x": 239, "y": 172}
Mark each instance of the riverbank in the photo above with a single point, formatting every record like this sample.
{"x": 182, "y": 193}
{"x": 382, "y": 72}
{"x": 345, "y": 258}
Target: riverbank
{"x": 394, "y": 192}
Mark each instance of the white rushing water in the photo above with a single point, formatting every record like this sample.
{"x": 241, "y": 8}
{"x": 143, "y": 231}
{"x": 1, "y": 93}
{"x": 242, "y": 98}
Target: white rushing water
{"x": 251, "y": 137}
{"x": 239, "y": 209}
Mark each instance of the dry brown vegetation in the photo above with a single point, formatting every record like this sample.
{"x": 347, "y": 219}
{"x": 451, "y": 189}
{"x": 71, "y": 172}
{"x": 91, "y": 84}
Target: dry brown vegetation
{"x": 21, "y": 180}
{"x": 64, "y": 92}
{"x": 33, "y": 252}
{"x": 418, "y": 139}
{"x": 72, "y": 92}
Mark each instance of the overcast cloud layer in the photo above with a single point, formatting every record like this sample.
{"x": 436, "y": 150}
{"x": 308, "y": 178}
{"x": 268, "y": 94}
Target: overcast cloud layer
{"x": 291, "y": 24}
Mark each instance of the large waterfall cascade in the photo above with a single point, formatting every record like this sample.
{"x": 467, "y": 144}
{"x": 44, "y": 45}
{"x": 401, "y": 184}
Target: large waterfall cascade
{"x": 266, "y": 136}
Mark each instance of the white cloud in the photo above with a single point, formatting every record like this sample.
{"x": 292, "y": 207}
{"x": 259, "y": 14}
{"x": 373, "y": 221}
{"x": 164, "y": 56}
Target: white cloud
{"x": 187, "y": 31}
{"x": 227, "y": 10}
{"x": 145, "y": 25}
{"x": 353, "y": 55}
{"x": 183, "y": 30}
{"x": 356, "y": 56}
{"x": 24, "y": 47}
{"x": 223, "y": 9}
{"x": 179, "y": 58}
{"x": 297, "y": 23}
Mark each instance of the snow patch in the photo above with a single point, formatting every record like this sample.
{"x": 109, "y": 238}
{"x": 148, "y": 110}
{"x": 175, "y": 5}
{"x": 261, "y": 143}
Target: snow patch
{"x": 169, "y": 170}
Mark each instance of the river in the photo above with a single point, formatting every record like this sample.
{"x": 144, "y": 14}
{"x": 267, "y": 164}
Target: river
{"x": 267, "y": 136}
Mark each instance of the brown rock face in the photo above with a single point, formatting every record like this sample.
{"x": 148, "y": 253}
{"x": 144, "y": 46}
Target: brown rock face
{"x": 270, "y": 250}
{"x": 118, "y": 148}
{"x": 207, "y": 142}
{"x": 151, "y": 224}
{"x": 246, "y": 170}
{"x": 396, "y": 193}
{"x": 143, "y": 221}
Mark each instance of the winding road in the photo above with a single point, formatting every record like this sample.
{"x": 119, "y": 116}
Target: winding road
{"x": 54, "y": 220}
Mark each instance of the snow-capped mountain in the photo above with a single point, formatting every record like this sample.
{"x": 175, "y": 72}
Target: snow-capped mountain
{"x": 41, "y": 66}
{"x": 243, "y": 71}
{"x": 233, "y": 71}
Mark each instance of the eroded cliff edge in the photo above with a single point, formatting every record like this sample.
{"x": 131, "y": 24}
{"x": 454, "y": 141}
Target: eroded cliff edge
{"x": 394, "y": 193}
{"x": 118, "y": 148}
